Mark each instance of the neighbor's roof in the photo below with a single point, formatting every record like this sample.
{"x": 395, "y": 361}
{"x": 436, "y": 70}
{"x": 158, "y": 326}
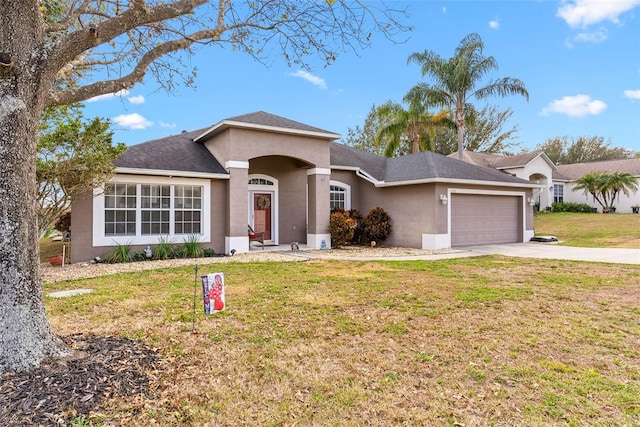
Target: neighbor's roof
{"x": 577, "y": 170}
{"x": 420, "y": 167}
{"x": 261, "y": 120}
{"x": 176, "y": 154}
{"x": 502, "y": 162}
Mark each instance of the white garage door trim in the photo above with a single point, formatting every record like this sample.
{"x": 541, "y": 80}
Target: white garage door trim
{"x": 520, "y": 194}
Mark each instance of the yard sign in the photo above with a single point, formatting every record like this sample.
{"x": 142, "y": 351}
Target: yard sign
{"x": 213, "y": 292}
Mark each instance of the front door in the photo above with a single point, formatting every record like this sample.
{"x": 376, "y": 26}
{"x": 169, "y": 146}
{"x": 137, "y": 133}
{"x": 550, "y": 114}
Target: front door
{"x": 262, "y": 213}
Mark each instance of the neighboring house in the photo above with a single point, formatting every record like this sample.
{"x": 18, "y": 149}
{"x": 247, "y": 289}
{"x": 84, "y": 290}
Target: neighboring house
{"x": 565, "y": 176}
{"x": 535, "y": 167}
{"x": 557, "y": 181}
{"x": 282, "y": 178}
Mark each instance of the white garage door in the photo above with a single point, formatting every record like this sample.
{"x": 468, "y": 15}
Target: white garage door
{"x": 481, "y": 220}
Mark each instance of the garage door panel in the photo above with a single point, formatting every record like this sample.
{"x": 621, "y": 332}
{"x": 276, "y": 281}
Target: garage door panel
{"x": 480, "y": 219}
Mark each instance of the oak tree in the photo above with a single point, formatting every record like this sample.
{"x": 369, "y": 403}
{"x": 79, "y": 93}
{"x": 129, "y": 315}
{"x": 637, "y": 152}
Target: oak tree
{"x": 58, "y": 52}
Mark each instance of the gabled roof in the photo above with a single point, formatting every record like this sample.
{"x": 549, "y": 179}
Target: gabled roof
{"x": 261, "y": 120}
{"x": 503, "y": 162}
{"x": 577, "y": 170}
{"x": 416, "y": 168}
{"x": 175, "y": 155}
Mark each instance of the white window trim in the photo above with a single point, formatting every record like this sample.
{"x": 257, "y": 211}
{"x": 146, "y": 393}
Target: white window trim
{"x": 347, "y": 192}
{"x": 99, "y": 237}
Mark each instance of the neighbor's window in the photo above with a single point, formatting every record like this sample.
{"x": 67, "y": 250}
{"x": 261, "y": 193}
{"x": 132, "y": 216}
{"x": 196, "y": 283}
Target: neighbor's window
{"x": 158, "y": 209}
{"x": 558, "y": 193}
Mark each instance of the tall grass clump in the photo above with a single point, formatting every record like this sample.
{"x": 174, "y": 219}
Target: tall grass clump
{"x": 192, "y": 247}
{"x": 121, "y": 253}
{"x": 163, "y": 249}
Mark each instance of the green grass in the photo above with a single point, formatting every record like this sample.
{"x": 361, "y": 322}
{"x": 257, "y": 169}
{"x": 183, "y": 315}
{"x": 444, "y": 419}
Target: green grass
{"x": 590, "y": 230}
{"x": 477, "y": 341}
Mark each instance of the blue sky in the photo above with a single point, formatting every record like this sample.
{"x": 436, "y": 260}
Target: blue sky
{"x": 579, "y": 60}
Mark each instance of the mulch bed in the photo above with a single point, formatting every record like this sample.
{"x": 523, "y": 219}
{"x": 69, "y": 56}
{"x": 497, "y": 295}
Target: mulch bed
{"x": 62, "y": 390}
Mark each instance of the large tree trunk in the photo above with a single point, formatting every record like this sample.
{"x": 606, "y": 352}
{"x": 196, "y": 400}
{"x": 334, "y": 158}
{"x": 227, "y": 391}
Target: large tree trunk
{"x": 25, "y": 335}
{"x": 460, "y": 113}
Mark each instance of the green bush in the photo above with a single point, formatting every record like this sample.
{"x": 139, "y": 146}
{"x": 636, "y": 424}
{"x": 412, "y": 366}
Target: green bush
{"x": 163, "y": 249}
{"x": 571, "y": 207}
{"x": 377, "y": 225}
{"x": 341, "y": 228}
{"x": 121, "y": 253}
{"x": 208, "y": 252}
{"x": 192, "y": 246}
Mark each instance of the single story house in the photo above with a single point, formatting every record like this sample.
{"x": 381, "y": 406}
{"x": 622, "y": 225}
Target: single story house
{"x": 557, "y": 182}
{"x": 535, "y": 167}
{"x": 565, "y": 176}
{"x": 282, "y": 178}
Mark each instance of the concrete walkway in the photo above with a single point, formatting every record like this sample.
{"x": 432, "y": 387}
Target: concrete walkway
{"x": 522, "y": 250}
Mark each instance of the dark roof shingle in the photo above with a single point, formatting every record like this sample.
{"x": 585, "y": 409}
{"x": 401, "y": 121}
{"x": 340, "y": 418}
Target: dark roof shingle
{"x": 173, "y": 153}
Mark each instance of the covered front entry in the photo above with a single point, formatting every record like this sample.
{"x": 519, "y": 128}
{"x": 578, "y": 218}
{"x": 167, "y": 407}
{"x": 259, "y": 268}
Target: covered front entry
{"x": 263, "y": 213}
{"x": 479, "y": 219}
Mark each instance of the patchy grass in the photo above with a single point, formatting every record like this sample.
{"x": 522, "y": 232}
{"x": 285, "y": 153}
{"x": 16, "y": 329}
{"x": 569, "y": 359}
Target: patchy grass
{"x": 476, "y": 341}
{"x": 590, "y": 230}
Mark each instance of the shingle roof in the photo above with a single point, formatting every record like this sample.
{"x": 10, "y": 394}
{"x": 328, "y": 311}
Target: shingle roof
{"x": 265, "y": 121}
{"x": 498, "y": 162}
{"x": 416, "y": 167}
{"x": 577, "y": 170}
{"x": 173, "y": 153}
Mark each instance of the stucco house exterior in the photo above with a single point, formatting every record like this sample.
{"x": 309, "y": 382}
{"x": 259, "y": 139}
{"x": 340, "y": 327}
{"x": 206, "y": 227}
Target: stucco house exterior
{"x": 535, "y": 167}
{"x": 282, "y": 178}
{"x": 557, "y": 182}
{"x": 564, "y": 178}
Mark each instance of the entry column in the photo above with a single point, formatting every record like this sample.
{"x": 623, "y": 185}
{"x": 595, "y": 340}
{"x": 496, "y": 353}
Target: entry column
{"x": 236, "y": 235}
{"x": 318, "y": 180}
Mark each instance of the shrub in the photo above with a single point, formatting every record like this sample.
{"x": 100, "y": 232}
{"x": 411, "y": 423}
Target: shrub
{"x": 341, "y": 228}
{"x": 571, "y": 207}
{"x": 64, "y": 222}
{"x": 377, "y": 225}
{"x": 208, "y": 252}
{"x": 138, "y": 256}
{"x": 358, "y": 232}
{"x": 163, "y": 249}
{"x": 192, "y": 247}
{"x": 121, "y": 253}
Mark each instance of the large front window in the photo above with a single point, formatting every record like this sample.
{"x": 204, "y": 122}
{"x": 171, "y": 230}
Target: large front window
{"x": 152, "y": 209}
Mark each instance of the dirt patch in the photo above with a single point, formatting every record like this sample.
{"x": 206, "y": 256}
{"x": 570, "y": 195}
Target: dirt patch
{"x": 62, "y": 390}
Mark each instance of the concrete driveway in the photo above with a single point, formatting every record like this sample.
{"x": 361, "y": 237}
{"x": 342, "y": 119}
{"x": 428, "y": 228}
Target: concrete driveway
{"x": 551, "y": 251}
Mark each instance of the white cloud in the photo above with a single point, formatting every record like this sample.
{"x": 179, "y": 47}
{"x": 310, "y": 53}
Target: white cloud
{"x": 132, "y": 121}
{"x": 107, "y": 96}
{"x": 166, "y": 125}
{"x": 315, "y": 80}
{"x": 444, "y": 10}
{"x": 592, "y": 37}
{"x": 575, "y": 106}
{"x": 138, "y": 99}
{"x": 632, "y": 94}
{"x": 494, "y": 24}
{"x": 582, "y": 13}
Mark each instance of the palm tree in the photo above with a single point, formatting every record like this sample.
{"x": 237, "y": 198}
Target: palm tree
{"x": 456, "y": 79}
{"x": 414, "y": 124}
{"x": 604, "y": 187}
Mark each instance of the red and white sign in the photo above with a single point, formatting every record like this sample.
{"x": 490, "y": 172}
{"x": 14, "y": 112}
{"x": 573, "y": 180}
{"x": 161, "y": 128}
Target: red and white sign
{"x": 213, "y": 292}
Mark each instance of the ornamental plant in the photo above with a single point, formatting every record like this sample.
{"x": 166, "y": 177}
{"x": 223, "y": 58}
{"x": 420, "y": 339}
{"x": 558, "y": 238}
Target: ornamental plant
{"x": 377, "y": 225}
{"x": 341, "y": 228}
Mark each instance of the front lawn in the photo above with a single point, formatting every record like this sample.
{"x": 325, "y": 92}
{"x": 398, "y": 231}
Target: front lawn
{"x": 476, "y": 341}
{"x": 590, "y": 230}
